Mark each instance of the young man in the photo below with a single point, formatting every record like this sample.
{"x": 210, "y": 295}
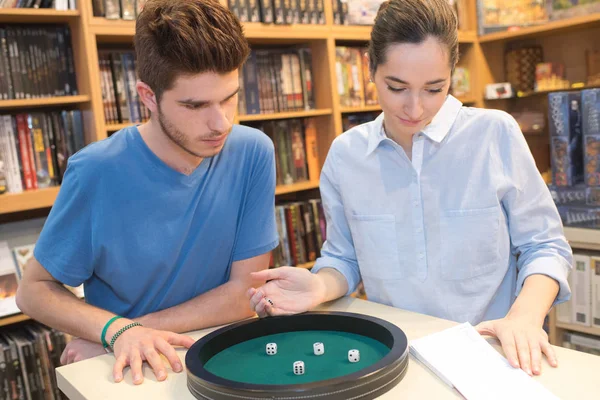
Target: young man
{"x": 165, "y": 221}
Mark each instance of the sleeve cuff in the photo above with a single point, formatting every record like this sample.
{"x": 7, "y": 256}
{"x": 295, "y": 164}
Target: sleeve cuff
{"x": 61, "y": 276}
{"x": 244, "y": 255}
{"x": 350, "y": 272}
{"x": 552, "y": 267}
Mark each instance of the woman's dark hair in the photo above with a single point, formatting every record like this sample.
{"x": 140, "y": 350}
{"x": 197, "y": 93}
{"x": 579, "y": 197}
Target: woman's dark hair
{"x": 413, "y": 21}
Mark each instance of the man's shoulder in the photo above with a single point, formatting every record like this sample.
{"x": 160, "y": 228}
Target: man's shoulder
{"x": 244, "y": 138}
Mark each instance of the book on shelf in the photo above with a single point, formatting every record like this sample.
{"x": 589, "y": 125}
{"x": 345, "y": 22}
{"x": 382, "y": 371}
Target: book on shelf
{"x": 581, "y": 342}
{"x": 59, "y": 5}
{"x": 353, "y": 83}
{"x": 118, "y": 9}
{"x": 273, "y": 81}
{"x": 349, "y": 121}
{"x": 35, "y": 147}
{"x": 279, "y": 11}
{"x": 296, "y": 153}
{"x": 29, "y": 355}
{"x": 36, "y": 61}
{"x": 302, "y": 231}
{"x": 118, "y": 80}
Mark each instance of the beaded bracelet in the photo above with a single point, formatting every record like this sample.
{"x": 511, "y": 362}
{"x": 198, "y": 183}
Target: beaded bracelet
{"x": 121, "y": 331}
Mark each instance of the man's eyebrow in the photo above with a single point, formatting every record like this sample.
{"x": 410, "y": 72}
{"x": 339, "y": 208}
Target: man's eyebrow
{"x": 433, "y": 82}
{"x": 198, "y": 103}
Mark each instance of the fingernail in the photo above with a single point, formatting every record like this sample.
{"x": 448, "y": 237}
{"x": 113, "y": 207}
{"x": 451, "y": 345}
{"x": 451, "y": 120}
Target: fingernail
{"x": 137, "y": 378}
{"x": 162, "y": 375}
{"x": 177, "y": 367}
{"x": 118, "y": 378}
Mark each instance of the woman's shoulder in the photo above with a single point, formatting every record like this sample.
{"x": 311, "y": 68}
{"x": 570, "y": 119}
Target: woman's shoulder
{"x": 356, "y": 138}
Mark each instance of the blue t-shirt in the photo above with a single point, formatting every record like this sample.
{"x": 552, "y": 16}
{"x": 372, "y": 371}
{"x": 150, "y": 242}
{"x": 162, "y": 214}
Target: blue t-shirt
{"x": 143, "y": 237}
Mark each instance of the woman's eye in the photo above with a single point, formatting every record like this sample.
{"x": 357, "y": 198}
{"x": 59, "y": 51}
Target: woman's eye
{"x": 392, "y": 89}
{"x": 435, "y": 91}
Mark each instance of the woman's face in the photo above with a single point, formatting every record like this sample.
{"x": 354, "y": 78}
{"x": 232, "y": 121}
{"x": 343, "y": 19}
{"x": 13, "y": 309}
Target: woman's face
{"x": 412, "y": 85}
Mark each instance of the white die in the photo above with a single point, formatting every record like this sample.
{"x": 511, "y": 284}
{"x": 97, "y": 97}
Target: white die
{"x": 353, "y": 356}
{"x": 299, "y": 368}
{"x": 318, "y": 348}
{"x": 271, "y": 349}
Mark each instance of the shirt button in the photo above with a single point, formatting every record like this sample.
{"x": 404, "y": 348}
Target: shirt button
{"x": 419, "y": 230}
{"x": 416, "y": 203}
{"x": 421, "y": 256}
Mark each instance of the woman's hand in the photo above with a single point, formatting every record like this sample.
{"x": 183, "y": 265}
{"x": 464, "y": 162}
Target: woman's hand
{"x": 523, "y": 341}
{"x": 289, "y": 290}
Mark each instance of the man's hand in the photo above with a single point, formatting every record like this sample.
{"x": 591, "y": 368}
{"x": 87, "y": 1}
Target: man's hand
{"x": 523, "y": 342}
{"x": 140, "y": 344}
{"x": 79, "y": 350}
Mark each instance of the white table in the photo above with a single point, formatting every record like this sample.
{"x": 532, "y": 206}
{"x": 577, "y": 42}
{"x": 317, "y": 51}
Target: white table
{"x": 577, "y": 377}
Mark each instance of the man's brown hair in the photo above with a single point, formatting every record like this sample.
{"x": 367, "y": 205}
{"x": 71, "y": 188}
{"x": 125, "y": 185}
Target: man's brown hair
{"x": 175, "y": 37}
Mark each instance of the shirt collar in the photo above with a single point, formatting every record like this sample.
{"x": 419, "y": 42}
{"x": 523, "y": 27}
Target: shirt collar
{"x": 436, "y": 130}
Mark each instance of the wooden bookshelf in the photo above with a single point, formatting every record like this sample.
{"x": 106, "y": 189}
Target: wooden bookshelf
{"x": 36, "y": 16}
{"x": 296, "y": 187}
{"x": 44, "y": 102}
{"x": 353, "y": 110}
{"x": 584, "y": 239}
{"x": 523, "y": 95}
{"x": 118, "y": 127}
{"x": 284, "y": 115}
{"x": 28, "y": 200}
{"x": 13, "y": 319}
{"x": 363, "y": 34}
{"x": 579, "y": 328}
{"x": 549, "y": 28}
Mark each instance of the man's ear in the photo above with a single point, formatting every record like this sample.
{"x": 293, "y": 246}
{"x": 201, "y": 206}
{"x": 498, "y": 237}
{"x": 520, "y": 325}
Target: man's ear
{"x": 147, "y": 96}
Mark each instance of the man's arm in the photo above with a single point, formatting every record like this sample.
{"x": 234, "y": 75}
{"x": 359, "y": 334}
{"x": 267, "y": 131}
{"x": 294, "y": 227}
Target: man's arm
{"x": 45, "y": 299}
{"x": 221, "y": 305}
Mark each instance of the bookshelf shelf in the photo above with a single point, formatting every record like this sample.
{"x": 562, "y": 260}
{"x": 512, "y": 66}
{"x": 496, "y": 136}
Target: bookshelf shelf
{"x": 580, "y": 238}
{"x": 523, "y": 95}
{"x": 547, "y": 29}
{"x": 352, "y": 110}
{"x": 13, "y": 319}
{"x": 579, "y": 328}
{"x": 44, "y": 102}
{"x": 286, "y": 115}
{"x": 308, "y": 265}
{"x": 296, "y": 187}
{"x": 255, "y": 30}
{"x": 363, "y": 34}
{"x": 118, "y": 127}
{"x": 467, "y": 99}
{"x": 28, "y": 15}
{"x": 28, "y": 200}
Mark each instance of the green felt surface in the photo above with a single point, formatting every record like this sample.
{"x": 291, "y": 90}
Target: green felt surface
{"x": 248, "y": 361}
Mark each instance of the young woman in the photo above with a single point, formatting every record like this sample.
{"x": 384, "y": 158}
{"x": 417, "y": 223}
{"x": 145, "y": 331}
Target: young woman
{"x": 439, "y": 208}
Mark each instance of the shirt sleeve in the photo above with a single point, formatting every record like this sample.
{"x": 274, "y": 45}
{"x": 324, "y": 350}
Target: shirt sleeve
{"x": 258, "y": 230}
{"x": 64, "y": 247}
{"x": 535, "y": 226}
{"x": 338, "y": 250}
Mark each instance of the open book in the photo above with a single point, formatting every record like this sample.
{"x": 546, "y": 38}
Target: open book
{"x": 463, "y": 359}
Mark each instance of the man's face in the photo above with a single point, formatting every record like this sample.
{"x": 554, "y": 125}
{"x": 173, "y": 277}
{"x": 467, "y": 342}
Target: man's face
{"x": 197, "y": 112}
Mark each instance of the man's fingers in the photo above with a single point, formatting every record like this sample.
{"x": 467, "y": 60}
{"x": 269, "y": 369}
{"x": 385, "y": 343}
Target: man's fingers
{"x": 524, "y": 352}
{"x": 120, "y": 364}
{"x": 156, "y": 363}
{"x": 176, "y": 339}
{"x": 135, "y": 362}
{"x": 260, "y": 308}
{"x": 170, "y": 354}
